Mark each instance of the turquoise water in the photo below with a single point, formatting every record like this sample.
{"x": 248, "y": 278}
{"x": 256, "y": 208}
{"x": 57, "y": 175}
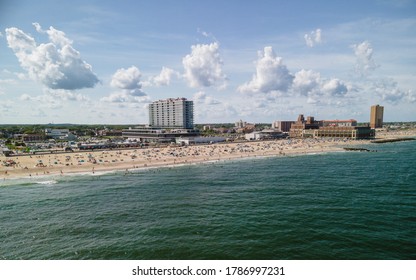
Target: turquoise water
{"x": 348, "y": 205}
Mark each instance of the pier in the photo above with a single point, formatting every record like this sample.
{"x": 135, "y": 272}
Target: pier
{"x": 391, "y": 140}
{"x": 358, "y": 149}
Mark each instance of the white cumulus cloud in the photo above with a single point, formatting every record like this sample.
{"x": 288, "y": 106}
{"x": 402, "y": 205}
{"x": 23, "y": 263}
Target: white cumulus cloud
{"x": 306, "y": 82}
{"x": 388, "y": 90}
{"x": 56, "y": 64}
{"x": 317, "y": 89}
{"x": 127, "y": 78}
{"x": 271, "y": 74}
{"x": 202, "y": 98}
{"x": 55, "y": 99}
{"x": 125, "y": 97}
{"x": 334, "y": 87}
{"x": 315, "y": 37}
{"x": 365, "y": 63}
{"x": 128, "y": 85}
{"x": 203, "y": 66}
{"x": 274, "y": 80}
{"x": 163, "y": 79}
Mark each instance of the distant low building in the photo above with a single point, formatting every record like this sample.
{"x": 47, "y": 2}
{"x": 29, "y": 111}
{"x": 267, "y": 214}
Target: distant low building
{"x": 283, "y": 126}
{"x": 206, "y": 127}
{"x": 33, "y": 137}
{"x": 344, "y": 129}
{"x": 200, "y": 140}
{"x": 265, "y": 134}
{"x": 330, "y": 128}
{"x": 352, "y": 132}
{"x": 298, "y": 129}
{"x": 240, "y": 124}
{"x": 247, "y": 128}
{"x": 148, "y": 134}
{"x": 56, "y": 133}
{"x": 5, "y": 151}
{"x": 110, "y": 132}
{"x": 223, "y": 130}
{"x": 29, "y": 137}
{"x": 253, "y": 136}
{"x": 60, "y": 134}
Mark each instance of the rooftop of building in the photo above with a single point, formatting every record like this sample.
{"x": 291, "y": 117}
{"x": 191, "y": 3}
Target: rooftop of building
{"x": 340, "y": 121}
{"x": 172, "y": 99}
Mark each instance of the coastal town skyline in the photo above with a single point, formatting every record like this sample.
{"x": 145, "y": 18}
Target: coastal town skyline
{"x": 100, "y": 62}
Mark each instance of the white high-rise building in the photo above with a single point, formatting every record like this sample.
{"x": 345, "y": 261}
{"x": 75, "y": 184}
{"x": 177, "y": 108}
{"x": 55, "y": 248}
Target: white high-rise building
{"x": 172, "y": 113}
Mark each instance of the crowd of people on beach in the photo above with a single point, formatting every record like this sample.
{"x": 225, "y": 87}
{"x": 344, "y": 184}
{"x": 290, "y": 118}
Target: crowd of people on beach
{"x": 92, "y": 161}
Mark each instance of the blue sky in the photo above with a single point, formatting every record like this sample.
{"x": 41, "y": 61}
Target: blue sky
{"x": 260, "y": 61}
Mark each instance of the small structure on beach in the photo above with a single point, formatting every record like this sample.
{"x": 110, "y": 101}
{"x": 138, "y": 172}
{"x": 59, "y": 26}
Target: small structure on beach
{"x": 265, "y": 134}
{"x": 199, "y": 140}
{"x": 6, "y": 151}
{"x": 146, "y": 134}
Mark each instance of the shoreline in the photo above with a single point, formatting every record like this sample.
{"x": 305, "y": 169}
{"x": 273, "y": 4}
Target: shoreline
{"x": 91, "y": 162}
{"x": 103, "y": 161}
{"x": 52, "y": 178}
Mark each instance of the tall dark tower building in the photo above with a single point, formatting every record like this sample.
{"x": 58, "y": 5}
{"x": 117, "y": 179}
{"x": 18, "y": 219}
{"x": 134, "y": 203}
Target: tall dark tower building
{"x": 376, "y": 116}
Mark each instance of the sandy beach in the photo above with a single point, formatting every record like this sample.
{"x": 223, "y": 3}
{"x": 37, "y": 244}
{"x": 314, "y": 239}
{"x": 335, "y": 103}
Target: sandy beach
{"x": 29, "y": 166}
{"x": 102, "y": 160}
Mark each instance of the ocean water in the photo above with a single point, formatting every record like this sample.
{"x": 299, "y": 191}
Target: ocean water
{"x": 345, "y": 205}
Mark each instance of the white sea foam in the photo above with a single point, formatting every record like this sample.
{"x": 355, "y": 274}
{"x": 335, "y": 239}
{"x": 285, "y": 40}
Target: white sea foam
{"x": 49, "y": 182}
